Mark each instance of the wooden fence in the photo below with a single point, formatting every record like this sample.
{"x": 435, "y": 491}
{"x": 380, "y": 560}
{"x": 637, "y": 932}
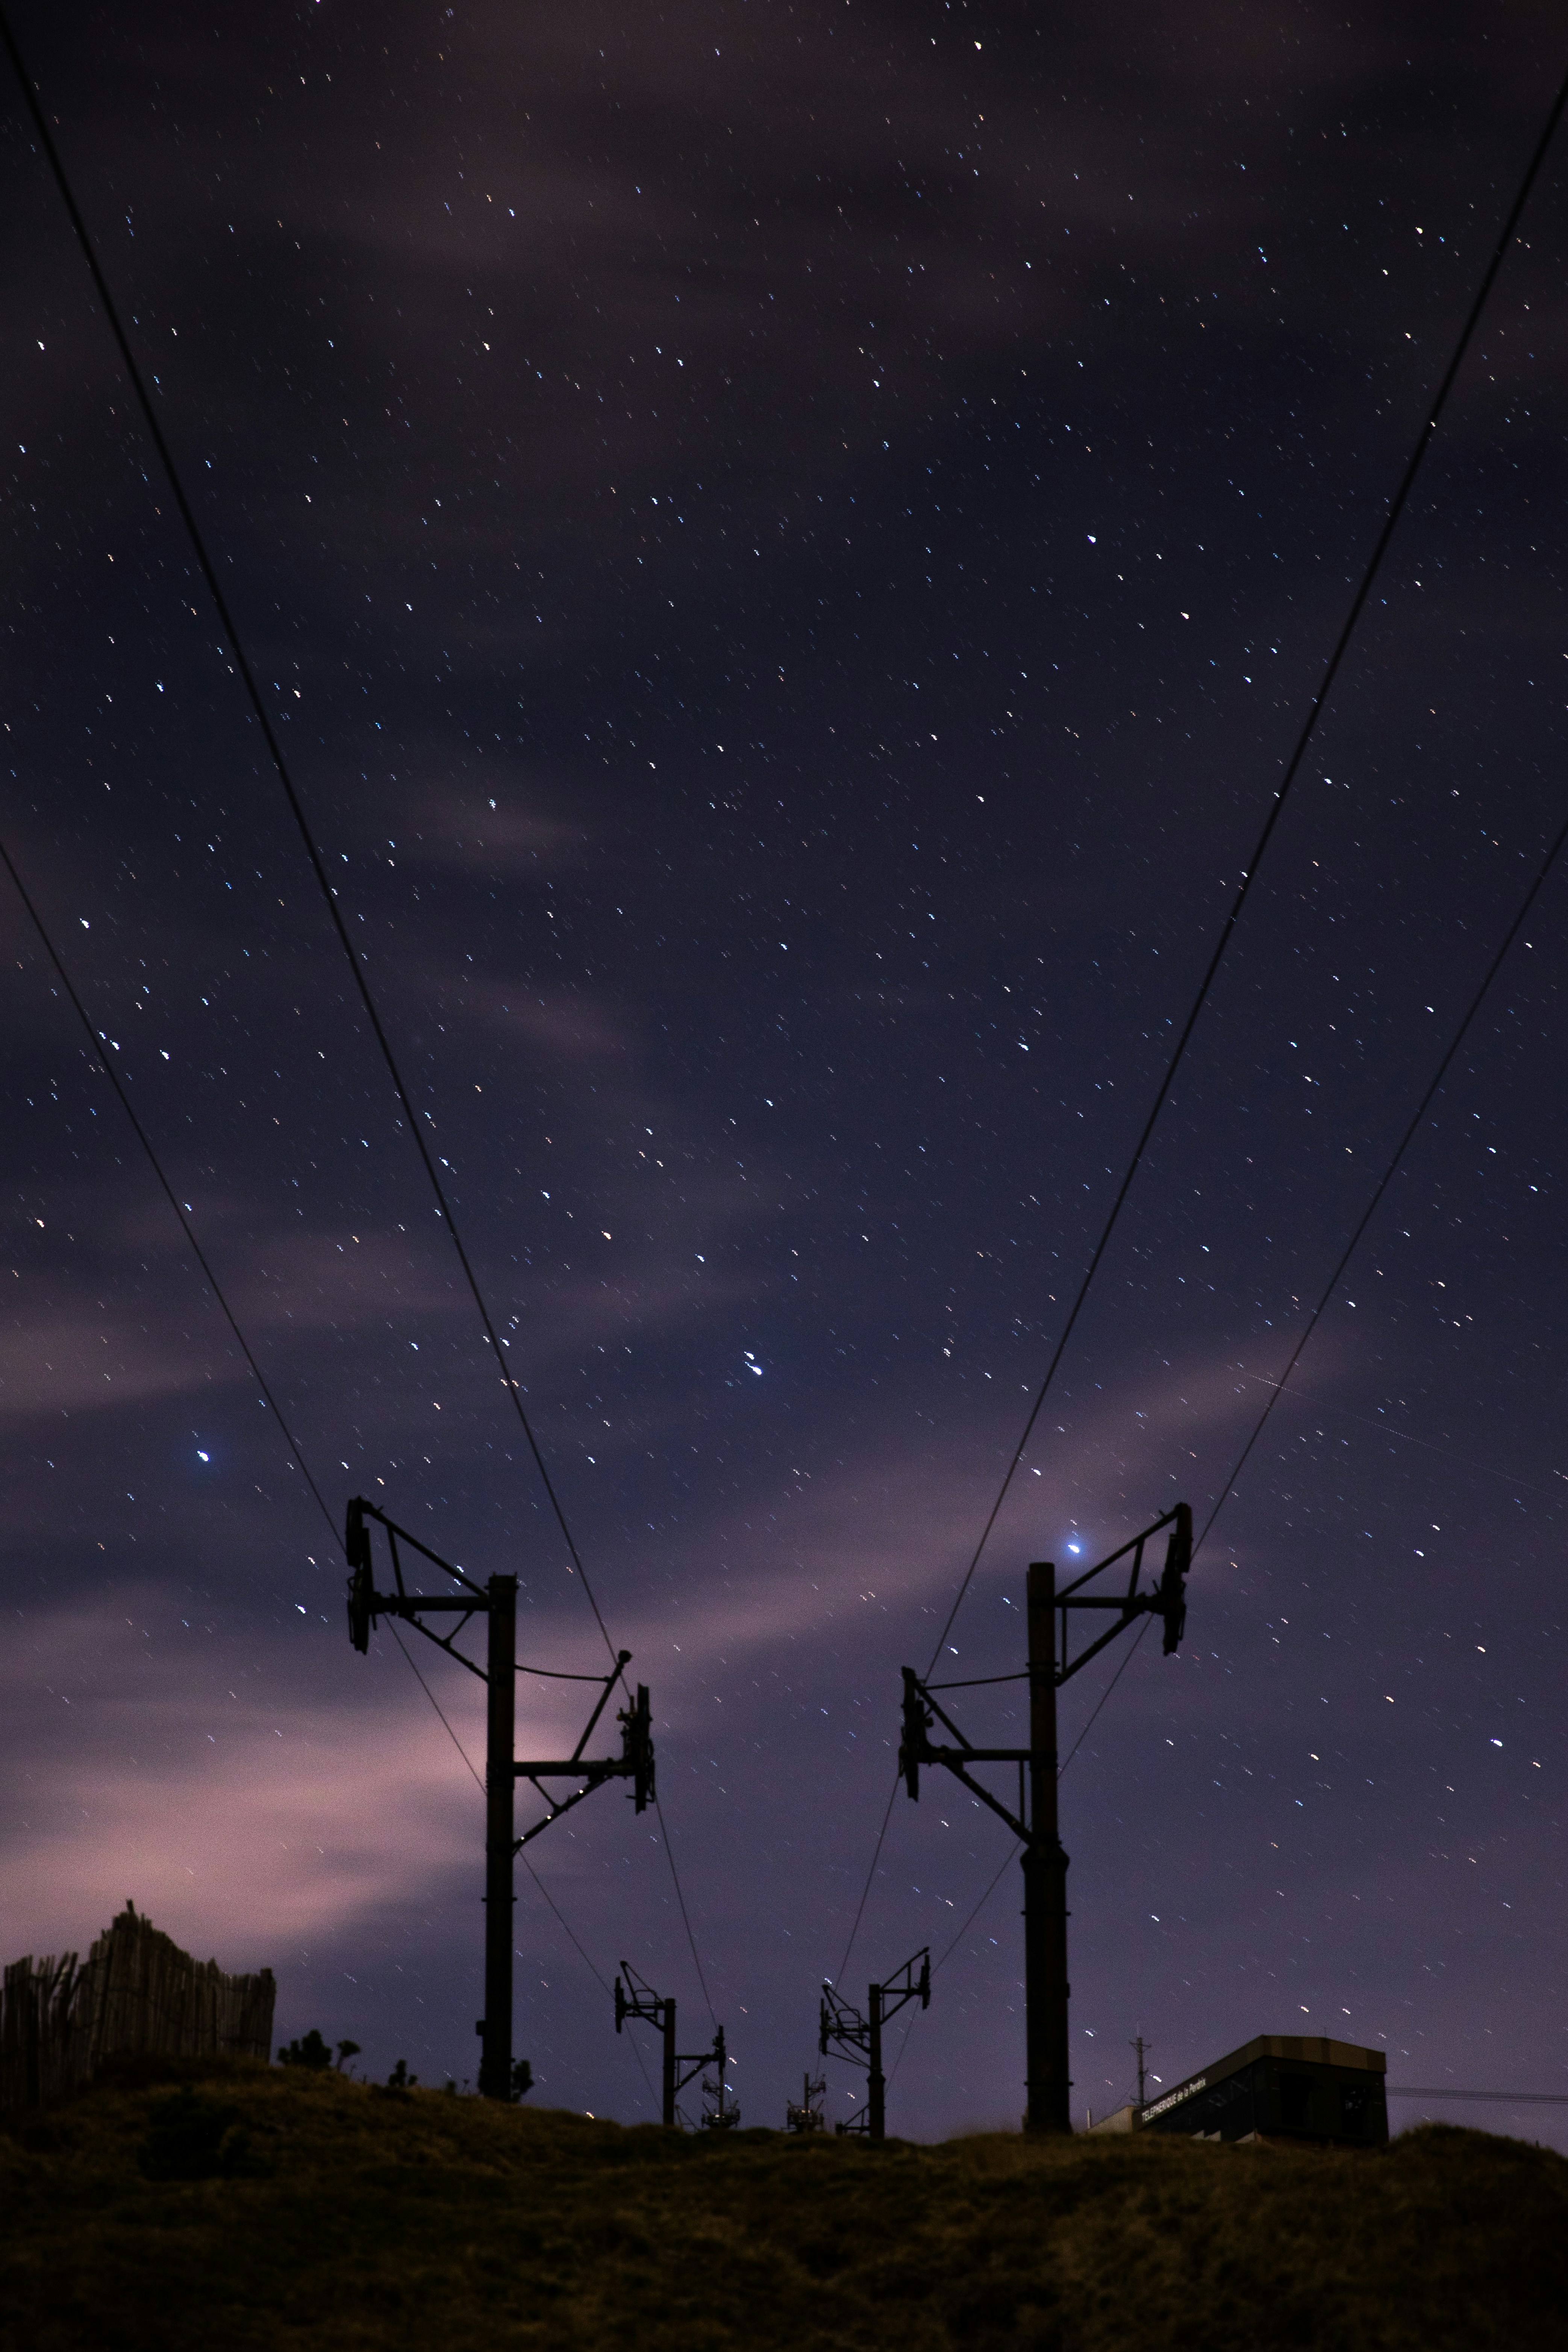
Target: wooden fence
{"x": 135, "y": 1993}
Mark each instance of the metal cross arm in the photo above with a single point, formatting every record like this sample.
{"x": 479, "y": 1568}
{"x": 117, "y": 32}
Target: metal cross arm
{"x": 694, "y": 2061}
{"x": 634, "y": 1762}
{"x": 859, "y": 2038}
{"x": 840, "y": 2023}
{"x": 1167, "y": 1598}
{"x": 636, "y": 2001}
{"x": 367, "y": 1607}
{"x": 920, "y": 1710}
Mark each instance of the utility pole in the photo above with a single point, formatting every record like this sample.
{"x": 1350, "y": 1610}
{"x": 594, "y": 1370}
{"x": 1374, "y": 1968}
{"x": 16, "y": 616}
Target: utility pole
{"x": 723, "y": 2115}
{"x": 1048, "y": 2083}
{"x": 1143, "y": 2049}
{"x": 496, "y": 1602}
{"x": 1045, "y": 1864}
{"x": 637, "y": 1999}
{"x": 807, "y": 2117}
{"x": 501, "y": 1809}
{"x": 855, "y": 2035}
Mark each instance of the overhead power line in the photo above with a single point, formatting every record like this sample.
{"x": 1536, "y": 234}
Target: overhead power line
{"x": 1250, "y": 874}
{"x": 96, "y": 1042}
{"x": 1278, "y": 1388}
{"x": 1493, "y": 2098}
{"x": 1308, "y": 729}
{"x": 1386, "y": 1178}
{"x": 275, "y": 750}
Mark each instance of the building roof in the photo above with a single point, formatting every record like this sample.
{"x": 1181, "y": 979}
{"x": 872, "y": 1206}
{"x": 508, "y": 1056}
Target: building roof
{"x": 1309, "y": 2049}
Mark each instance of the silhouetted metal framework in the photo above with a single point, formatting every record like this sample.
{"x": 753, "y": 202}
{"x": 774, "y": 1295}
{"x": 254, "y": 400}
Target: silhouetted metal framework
{"x": 496, "y": 1602}
{"x": 636, "y": 2001}
{"x": 1045, "y": 1865}
{"x": 859, "y": 2039}
{"x": 807, "y": 2117}
{"x": 720, "y": 2113}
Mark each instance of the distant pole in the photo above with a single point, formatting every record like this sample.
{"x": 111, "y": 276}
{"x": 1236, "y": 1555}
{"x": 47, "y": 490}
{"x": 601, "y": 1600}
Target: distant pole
{"x": 876, "y": 2086}
{"x": 1143, "y": 2048}
{"x": 1046, "y": 1986}
{"x": 500, "y": 1790}
{"x": 669, "y": 2085}
{"x": 720, "y": 2060}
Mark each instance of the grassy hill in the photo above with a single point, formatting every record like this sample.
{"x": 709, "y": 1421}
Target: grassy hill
{"x": 337, "y": 2216}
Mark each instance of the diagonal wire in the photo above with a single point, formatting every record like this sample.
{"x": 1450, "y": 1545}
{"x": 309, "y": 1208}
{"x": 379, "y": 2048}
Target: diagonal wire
{"x": 1513, "y": 932}
{"x": 96, "y": 1042}
{"x": 1521, "y": 919}
{"x": 275, "y": 750}
{"x": 1493, "y": 2098}
{"x": 95, "y": 1039}
{"x": 437, "y": 1705}
{"x": 1332, "y": 1408}
{"x": 1127, "y": 1657}
{"x": 1016, "y": 1848}
{"x": 915, "y": 2013}
{"x": 870, "y": 1874}
{"x": 1308, "y": 729}
{"x": 1278, "y": 1389}
{"x": 685, "y": 1915}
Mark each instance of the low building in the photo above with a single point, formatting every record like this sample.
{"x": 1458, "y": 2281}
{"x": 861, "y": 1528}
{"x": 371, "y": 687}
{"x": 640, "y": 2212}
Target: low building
{"x": 1295, "y": 2087}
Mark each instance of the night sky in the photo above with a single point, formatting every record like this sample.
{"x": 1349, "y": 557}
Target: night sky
{"x": 787, "y": 549}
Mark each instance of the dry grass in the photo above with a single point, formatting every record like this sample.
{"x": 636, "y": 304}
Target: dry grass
{"x": 346, "y": 2219}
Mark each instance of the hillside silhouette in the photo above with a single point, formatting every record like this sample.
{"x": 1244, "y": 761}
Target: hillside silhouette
{"x": 249, "y": 2207}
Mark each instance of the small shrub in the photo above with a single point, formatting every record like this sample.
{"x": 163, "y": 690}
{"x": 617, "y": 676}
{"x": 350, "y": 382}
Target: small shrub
{"x": 310, "y": 2052}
